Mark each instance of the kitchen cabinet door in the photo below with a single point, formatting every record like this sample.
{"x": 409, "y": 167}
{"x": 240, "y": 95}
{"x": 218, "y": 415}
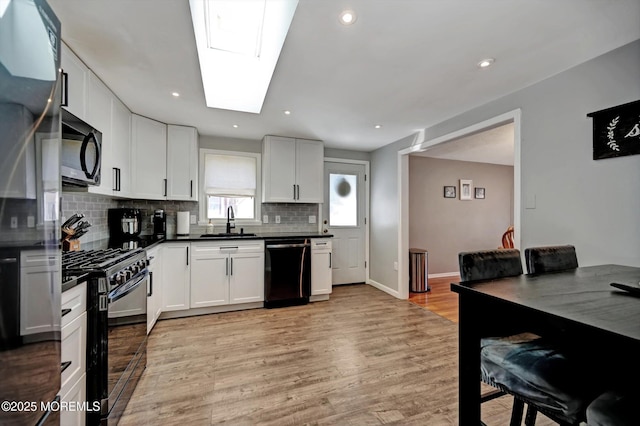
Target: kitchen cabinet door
{"x": 246, "y": 278}
{"x": 149, "y": 158}
{"x": 292, "y": 170}
{"x": 321, "y": 280}
{"x": 309, "y": 171}
{"x": 278, "y": 169}
{"x": 120, "y": 149}
{"x": 176, "y": 276}
{"x": 76, "y": 80}
{"x": 18, "y": 171}
{"x": 182, "y": 163}
{"x": 98, "y": 108}
{"x": 154, "y": 289}
{"x": 38, "y": 284}
{"x": 209, "y": 277}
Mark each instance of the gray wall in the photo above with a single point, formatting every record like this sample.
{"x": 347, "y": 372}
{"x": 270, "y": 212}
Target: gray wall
{"x": 591, "y": 204}
{"x": 447, "y": 226}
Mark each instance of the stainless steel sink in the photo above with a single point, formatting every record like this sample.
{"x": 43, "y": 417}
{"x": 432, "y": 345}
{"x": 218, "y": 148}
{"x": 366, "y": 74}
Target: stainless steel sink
{"x": 227, "y": 235}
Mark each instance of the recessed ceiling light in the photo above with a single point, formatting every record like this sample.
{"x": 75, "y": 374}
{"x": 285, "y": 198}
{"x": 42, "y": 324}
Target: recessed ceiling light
{"x": 235, "y": 126}
{"x": 486, "y": 63}
{"x": 287, "y": 112}
{"x": 377, "y": 126}
{"x": 348, "y": 17}
{"x": 175, "y": 94}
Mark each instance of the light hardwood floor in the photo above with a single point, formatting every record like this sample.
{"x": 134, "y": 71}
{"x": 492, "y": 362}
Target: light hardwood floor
{"x": 361, "y": 358}
{"x": 440, "y": 299}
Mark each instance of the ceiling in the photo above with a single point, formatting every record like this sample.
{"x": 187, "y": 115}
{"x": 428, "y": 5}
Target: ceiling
{"x": 404, "y": 64}
{"x": 494, "y": 146}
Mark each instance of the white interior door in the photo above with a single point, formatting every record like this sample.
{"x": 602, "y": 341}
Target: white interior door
{"x": 344, "y": 216}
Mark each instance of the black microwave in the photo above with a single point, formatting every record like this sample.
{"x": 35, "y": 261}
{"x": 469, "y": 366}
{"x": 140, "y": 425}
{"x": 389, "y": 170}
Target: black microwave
{"x": 81, "y": 152}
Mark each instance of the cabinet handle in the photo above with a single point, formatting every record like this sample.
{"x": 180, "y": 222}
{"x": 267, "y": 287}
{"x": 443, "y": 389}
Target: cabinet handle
{"x": 329, "y": 260}
{"x": 150, "y": 284}
{"x": 187, "y": 255}
{"x": 119, "y": 179}
{"x": 65, "y": 89}
{"x": 231, "y": 266}
{"x": 65, "y": 311}
{"x": 64, "y": 366}
{"x": 191, "y": 189}
{"x": 165, "y": 187}
{"x": 8, "y": 260}
{"x": 294, "y": 192}
{"x": 115, "y": 179}
{"x": 298, "y": 187}
{"x": 226, "y": 267}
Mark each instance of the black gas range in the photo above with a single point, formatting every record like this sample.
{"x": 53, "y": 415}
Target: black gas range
{"x": 116, "y": 325}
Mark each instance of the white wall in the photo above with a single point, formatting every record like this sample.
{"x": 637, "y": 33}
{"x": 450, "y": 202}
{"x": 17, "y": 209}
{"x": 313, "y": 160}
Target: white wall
{"x": 594, "y": 205}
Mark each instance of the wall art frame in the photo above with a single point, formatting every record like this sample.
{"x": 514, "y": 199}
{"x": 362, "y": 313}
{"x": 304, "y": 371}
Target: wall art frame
{"x": 616, "y": 131}
{"x": 449, "y": 192}
{"x": 466, "y": 186}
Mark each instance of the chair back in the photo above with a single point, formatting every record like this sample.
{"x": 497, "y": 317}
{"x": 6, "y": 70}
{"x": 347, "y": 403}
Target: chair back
{"x": 489, "y": 264}
{"x": 507, "y": 238}
{"x": 540, "y": 260}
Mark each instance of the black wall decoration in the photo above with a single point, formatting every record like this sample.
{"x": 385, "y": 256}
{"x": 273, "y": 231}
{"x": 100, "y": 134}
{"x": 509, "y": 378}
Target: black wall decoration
{"x": 616, "y": 131}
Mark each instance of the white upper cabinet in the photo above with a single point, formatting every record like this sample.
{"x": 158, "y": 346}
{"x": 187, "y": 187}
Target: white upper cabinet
{"x": 120, "y": 149}
{"x": 113, "y": 119}
{"x": 18, "y": 171}
{"x": 98, "y": 115}
{"x": 292, "y": 170}
{"x": 309, "y": 171}
{"x": 149, "y": 158}
{"x": 75, "y": 81}
{"x": 182, "y": 163}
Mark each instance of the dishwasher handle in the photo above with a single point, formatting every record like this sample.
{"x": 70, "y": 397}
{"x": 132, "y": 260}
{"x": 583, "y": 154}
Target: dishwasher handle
{"x": 279, "y": 246}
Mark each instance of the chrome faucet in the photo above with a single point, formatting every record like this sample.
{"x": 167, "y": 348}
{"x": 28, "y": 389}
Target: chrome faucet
{"x": 230, "y": 219}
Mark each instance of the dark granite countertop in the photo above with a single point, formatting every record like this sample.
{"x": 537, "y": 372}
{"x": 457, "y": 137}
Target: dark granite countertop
{"x": 258, "y": 236}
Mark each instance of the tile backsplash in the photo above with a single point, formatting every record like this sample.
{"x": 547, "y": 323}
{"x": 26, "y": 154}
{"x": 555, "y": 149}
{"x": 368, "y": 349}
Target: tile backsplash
{"x": 94, "y": 207}
{"x": 293, "y": 217}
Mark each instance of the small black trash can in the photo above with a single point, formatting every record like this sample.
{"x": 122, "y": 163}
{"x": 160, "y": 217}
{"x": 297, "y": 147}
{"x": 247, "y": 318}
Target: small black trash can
{"x": 418, "y": 281}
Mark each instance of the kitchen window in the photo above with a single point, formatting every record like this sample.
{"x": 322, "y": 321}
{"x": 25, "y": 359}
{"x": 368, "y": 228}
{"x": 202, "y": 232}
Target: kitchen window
{"x": 230, "y": 179}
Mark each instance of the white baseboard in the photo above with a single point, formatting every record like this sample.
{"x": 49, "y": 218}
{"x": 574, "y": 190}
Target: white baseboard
{"x": 444, "y": 274}
{"x": 384, "y": 288}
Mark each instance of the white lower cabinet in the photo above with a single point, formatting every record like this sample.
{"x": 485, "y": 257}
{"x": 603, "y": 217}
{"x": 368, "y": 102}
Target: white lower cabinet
{"x": 154, "y": 287}
{"x": 224, "y": 273}
{"x": 321, "y": 280}
{"x": 39, "y": 282}
{"x": 78, "y": 395}
{"x": 73, "y": 354}
{"x": 176, "y": 276}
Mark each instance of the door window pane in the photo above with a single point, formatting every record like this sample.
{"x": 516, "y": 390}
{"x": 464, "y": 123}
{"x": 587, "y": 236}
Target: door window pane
{"x": 343, "y": 200}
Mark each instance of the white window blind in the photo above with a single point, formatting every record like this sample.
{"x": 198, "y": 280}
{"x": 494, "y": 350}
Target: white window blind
{"x": 230, "y": 175}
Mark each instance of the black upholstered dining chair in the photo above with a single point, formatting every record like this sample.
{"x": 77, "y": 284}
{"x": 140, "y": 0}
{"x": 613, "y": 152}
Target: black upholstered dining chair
{"x": 525, "y": 365}
{"x": 614, "y": 407}
{"x": 541, "y": 260}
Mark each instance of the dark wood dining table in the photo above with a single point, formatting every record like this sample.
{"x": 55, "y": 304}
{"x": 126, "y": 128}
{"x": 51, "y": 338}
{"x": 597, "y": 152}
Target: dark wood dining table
{"x": 571, "y": 306}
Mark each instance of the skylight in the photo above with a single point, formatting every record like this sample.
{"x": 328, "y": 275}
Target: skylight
{"x": 238, "y": 44}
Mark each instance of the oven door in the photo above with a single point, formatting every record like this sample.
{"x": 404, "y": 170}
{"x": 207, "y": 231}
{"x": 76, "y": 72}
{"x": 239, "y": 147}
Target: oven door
{"x": 127, "y": 334}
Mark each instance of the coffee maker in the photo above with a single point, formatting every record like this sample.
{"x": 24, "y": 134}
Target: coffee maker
{"x": 159, "y": 224}
{"x": 124, "y": 223}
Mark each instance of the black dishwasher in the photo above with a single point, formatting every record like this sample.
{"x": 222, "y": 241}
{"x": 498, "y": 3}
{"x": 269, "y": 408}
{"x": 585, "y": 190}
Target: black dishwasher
{"x": 287, "y": 272}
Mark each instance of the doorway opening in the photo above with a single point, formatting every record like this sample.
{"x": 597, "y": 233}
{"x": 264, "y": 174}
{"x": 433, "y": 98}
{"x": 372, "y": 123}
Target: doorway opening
{"x": 439, "y": 147}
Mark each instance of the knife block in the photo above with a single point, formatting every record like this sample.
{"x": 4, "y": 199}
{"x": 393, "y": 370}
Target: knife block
{"x": 71, "y": 245}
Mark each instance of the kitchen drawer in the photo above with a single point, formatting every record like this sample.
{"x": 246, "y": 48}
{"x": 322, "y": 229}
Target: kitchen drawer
{"x": 39, "y": 258}
{"x": 226, "y": 247}
{"x": 76, "y": 300}
{"x": 74, "y": 349}
{"x": 320, "y": 244}
{"x": 77, "y": 393}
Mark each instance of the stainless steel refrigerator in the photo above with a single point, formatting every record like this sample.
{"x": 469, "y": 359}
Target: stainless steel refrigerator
{"x": 30, "y": 255}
